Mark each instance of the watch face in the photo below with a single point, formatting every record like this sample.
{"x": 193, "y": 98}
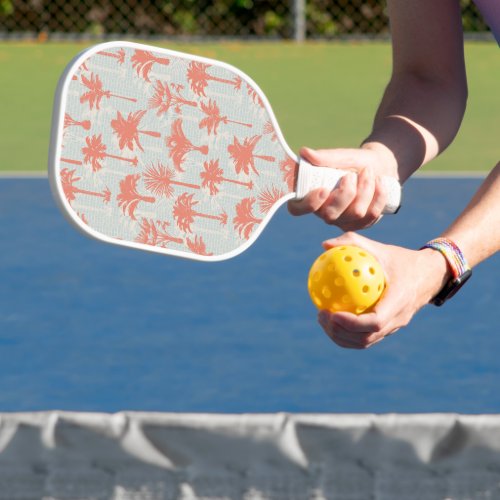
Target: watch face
{"x": 451, "y": 288}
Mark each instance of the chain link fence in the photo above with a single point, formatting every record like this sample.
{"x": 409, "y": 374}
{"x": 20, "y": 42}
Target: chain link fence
{"x": 284, "y": 19}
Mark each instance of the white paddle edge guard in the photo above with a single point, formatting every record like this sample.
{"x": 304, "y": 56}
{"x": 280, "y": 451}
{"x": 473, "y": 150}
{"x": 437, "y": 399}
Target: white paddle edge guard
{"x": 312, "y": 177}
{"x": 57, "y": 135}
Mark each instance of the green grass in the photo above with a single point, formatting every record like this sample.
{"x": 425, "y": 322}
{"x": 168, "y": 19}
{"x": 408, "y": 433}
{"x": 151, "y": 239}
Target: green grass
{"x": 323, "y": 94}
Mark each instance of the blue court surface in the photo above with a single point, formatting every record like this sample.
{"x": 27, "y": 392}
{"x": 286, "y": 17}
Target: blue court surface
{"x": 91, "y": 327}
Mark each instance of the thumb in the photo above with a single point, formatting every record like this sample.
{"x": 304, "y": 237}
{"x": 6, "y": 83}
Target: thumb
{"x": 349, "y": 238}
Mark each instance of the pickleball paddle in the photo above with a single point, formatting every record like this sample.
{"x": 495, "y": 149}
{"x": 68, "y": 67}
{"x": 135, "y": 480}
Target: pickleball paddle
{"x": 172, "y": 153}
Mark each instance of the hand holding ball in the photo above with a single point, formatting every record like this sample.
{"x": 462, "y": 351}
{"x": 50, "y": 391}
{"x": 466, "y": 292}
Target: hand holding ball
{"x": 346, "y": 278}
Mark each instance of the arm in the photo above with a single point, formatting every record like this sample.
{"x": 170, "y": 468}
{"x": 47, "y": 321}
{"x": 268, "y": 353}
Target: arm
{"x": 415, "y": 277}
{"x": 424, "y": 103}
{"x": 418, "y": 117}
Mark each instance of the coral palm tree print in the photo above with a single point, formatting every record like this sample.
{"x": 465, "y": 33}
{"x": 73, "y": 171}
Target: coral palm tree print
{"x": 184, "y": 213}
{"x": 68, "y": 181}
{"x": 160, "y": 181}
{"x": 268, "y": 198}
{"x": 245, "y": 220}
{"x": 214, "y": 118}
{"x": 95, "y": 151}
{"x": 96, "y": 92}
{"x": 118, "y": 55}
{"x": 166, "y": 96}
{"x": 289, "y": 168}
{"x": 143, "y": 61}
{"x": 156, "y": 234}
{"x": 199, "y": 77}
{"x": 128, "y": 131}
{"x": 180, "y": 145}
{"x": 212, "y": 175}
{"x": 197, "y": 245}
{"x": 243, "y": 154}
{"x": 70, "y": 122}
{"x": 129, "y": 198}
{"x": 269, "y": 130}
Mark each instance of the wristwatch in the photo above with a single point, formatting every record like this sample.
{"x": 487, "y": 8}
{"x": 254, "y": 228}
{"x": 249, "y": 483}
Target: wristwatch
{"x": 460, "y": 270}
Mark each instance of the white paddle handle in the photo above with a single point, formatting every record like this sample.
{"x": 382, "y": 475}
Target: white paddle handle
{"x": 312, "y": 177}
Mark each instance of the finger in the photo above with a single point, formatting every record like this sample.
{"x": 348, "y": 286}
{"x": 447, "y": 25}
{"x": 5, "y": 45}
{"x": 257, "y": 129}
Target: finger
{"x": 343, "y": 343}
{"x": 340, "y": 339}
{"x": 364, "y": 324}
{"x": 349, "y": 338}
{"x": 340, "y": 335}
{"x": 310, "y": 203}
{"x": 374, "y": 211}
{"x": 379, "y": 200}
{"x": 339, "y": 199}
{"x": 348, "y": 238}
{"x": 362, "y": 340}
{"x": 355, "y": 214}
{"x": 365, "y": 193}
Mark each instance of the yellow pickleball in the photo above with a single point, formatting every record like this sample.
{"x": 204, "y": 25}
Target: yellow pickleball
{"x": 346, "y": 278}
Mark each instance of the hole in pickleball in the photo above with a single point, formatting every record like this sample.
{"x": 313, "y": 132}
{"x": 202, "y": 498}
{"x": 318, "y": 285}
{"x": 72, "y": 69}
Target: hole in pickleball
{"x": 379, "y": 287}
{"x": 360, "y": 309}
{"x": 317, "y": 276}
{"x": 339, "y": 281}
{"x": 348, "y": 258}
{"x": 363, "y": 254}
{"x": 346, "y": 299}
{"x": 372, "y": 270}
{"x": 366, "y": 289}
{"x": 327, "y": 293}
{"x": 317, "y": 300}
{"x": 356, "y": 273}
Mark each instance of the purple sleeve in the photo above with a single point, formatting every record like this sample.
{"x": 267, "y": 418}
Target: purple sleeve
{"x": 490, "y": 9}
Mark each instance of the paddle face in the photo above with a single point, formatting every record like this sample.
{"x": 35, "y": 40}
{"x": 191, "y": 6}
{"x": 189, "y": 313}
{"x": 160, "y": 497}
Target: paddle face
{"x": 166, "y": 152}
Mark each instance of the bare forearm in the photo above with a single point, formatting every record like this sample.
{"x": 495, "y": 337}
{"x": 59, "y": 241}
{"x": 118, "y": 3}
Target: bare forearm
{"x": 477, "y": 230}
{"x": 417, "y": 120}
{"x": 424, "y": 102}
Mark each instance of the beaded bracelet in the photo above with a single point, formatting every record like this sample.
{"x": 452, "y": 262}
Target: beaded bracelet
{"x": 460, "y": 269}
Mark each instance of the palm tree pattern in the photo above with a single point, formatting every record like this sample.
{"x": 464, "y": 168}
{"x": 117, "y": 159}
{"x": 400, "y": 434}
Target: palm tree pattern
{"x": 127, "y": 130}
{"x": 155, "y": 233}
{"x": 69, "y": 122}
{"x": 180, "y": 146}
{"x": 143, "y": 62}
{"x": 182, "y": 152}
{"x": 212, "y": 175}
{"x": 160, "y": 180}
{"x": 129, "y": 198}
{"x": 244, "y": 220}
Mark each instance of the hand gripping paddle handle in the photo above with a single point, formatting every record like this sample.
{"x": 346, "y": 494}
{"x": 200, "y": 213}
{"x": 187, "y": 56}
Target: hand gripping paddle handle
{"x": 312, "y": 177}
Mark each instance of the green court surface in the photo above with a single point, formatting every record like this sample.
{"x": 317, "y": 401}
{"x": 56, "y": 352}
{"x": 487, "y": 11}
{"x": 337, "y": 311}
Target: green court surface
{"x": 324, "y": 95}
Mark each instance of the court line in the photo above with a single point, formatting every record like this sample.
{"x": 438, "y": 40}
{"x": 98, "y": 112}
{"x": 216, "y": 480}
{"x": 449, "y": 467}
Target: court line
{"x": 452, "y": 174}
{"x": 23, "y": 175}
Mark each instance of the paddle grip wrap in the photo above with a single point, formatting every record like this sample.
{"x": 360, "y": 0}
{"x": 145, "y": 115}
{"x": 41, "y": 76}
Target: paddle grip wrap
{"x": 312, "y": 177}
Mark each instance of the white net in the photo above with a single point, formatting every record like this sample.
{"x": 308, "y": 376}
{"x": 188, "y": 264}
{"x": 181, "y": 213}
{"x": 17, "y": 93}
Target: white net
{"x": 153, "y": 456}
